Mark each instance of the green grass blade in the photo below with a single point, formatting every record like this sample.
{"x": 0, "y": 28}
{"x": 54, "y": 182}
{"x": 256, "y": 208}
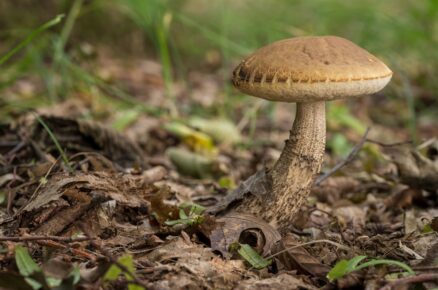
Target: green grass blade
{"x": 386, "y": 262}
{"x": 30, "y": 37}
{"x": 58, "y": 146}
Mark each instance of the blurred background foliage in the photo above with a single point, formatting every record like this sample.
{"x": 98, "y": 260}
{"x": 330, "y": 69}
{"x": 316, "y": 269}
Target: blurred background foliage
{"x": 210, "y": 37}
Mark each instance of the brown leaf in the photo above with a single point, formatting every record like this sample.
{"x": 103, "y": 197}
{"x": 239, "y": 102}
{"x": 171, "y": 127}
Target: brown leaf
{"x": 351, "y": 217}
{"x": 62, "y": 219}
{"x": 414, "y": 169}
{"x": 282, "y": 281}
{"x": 57, "y": 268}
{"x": 434, "y": 224}
{"x": 53, "y": 190}
{"x": 163, "y": 211}
{"x": 333, "y": 188}
{"x": 258, "y": 184}
{"x": 84, "y": 136}
{"x": 231, "y": 229}
{"x": 403, "y": 198}
{"x": 297, "y": 258}
{"x": 431, "y": 258}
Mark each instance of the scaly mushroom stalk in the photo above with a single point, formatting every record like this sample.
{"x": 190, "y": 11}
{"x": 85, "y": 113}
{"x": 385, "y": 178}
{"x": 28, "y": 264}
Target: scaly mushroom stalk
{"x": 308, "y": 71}
{"x": 293, "y": 174}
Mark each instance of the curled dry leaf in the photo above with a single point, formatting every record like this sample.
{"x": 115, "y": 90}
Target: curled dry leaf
{"x": 231, "y": 228}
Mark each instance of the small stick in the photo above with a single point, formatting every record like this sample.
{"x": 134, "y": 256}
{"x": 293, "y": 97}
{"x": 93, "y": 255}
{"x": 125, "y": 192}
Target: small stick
{"x": 43, "y": 238}
{"x": 347, "y": 160}
{"x": 426, "y": 277}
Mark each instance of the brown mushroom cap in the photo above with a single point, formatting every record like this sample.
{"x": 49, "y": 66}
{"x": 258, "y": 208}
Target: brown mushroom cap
{"x": 309, "y": 69}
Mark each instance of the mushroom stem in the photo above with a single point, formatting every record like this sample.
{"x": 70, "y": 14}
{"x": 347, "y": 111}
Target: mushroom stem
{"x": 293, "y": 174}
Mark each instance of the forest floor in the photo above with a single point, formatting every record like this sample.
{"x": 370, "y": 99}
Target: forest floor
{"x": 119, "y": 202}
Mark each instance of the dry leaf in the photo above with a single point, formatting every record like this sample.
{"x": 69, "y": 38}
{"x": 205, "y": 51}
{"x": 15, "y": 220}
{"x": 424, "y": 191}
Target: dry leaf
{"x": 229, "y": 229}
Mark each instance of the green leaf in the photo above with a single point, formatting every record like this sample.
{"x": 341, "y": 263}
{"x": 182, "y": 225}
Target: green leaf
{"x": 176, "y": 222}
{"x": 128, "y": 262}
{"x": 221, "y": 130}
{"x": 112, "y": 273}
{"x": 125, "y": 118}
{"x": 344, "y": 267}
{"x": 182, "y": 214}
{"x": 26, "y": 266}
{"x": 353, "y": 262}
{"x": 226, "y": 182}
{"x": 339, "y": 144}
{"x": 195, "y": 215}
{"x": 196, "y": 140}
{"x": 132, "y": 286}
{"x": 252, "y": 257}
{"x": 53, "y": 282}
{"x": 338, "y": 271}
{"x": 76, "y": 274}
{"x": 195, "y": 209}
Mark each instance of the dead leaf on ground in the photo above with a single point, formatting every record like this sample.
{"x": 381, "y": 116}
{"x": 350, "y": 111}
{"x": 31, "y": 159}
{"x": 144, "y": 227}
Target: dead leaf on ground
{"x": 415, "y": 169}
{"x": 229, "y": 229}
{"x": 192, "y": 265}
{"x": 297, "y": 258}
{"x": 161, "y": 209}
{"x": 282, "y": 281}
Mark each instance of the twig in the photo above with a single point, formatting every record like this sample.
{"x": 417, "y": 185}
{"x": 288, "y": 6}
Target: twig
{"x": 347, "y": 160}
{"x": 43, "y": 238}
{"x": 310, "y": 243}
{"x": 426, "y": 277}
{"x": 112, "y": 259}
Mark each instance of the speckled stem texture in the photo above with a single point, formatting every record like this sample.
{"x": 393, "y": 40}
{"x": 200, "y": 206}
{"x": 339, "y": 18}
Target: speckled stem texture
{"x": 294, "y": 172}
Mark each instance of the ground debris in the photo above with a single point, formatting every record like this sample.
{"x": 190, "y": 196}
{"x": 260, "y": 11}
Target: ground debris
{"x": 414, "y": 168}
{"x": 234, "y": 228}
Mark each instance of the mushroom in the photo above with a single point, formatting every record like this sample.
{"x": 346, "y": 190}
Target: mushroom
{"x": 308, "y": 71}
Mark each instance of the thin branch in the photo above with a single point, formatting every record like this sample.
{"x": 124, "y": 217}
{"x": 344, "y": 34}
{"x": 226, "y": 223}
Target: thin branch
{"x": 347, "y": 160}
